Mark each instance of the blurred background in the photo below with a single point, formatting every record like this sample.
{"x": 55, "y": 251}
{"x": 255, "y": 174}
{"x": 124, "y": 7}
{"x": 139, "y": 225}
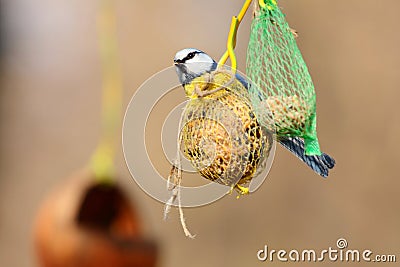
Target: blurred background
{"x": 50, "y": 105}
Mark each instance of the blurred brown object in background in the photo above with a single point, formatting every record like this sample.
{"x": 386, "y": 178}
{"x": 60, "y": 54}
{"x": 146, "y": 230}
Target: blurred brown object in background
{"x": 87, "y": 223}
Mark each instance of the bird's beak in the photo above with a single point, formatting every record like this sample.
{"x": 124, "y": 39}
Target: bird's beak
{"x": 178, "y": 64}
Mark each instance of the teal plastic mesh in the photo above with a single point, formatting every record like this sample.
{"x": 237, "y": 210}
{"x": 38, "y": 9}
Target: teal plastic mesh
{"x": 283, "y": 83}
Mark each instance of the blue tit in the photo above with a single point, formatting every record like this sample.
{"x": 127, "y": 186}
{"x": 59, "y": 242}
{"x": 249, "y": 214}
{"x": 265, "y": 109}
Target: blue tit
{"x": 192, "y": 63}
{"x": 220, "y": 133}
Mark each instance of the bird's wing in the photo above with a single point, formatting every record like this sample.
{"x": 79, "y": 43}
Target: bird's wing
{"x": 320, "y": 164}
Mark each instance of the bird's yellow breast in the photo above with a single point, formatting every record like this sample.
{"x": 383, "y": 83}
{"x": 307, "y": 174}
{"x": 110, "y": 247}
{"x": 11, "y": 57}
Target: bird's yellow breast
{"x": 209, "y": 82}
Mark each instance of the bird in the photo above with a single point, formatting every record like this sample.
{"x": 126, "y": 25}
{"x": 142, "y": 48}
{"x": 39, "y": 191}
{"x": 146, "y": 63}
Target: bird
{"x": 191, "y": 63}
{"x": 221, "y": 135}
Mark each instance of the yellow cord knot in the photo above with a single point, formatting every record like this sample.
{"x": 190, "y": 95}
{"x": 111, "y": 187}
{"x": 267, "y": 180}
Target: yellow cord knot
{"x": 270, "y": 6}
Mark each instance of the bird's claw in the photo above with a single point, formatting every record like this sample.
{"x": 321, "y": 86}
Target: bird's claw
{"x": 241, "y": 190}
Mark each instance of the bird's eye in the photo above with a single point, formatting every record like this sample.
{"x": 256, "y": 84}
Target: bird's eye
{"x": 190, "y": 55}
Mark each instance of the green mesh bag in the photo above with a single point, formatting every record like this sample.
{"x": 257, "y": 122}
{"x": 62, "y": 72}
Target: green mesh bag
{"x": 275, "y": 65}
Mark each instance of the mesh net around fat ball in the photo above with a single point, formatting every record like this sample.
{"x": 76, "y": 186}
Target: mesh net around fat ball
{"x": 276, "y": 66}
{"x": 221, "y": 135}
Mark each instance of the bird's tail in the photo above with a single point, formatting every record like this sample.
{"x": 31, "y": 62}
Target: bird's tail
{"x": 320, "y": 164}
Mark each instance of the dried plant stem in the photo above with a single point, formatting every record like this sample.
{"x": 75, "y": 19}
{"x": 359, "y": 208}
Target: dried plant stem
{"x": 102, "y": 162}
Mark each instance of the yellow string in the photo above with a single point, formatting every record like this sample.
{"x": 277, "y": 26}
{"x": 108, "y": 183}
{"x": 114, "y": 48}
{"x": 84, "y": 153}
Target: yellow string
{"x": 243, "y": 10}
{"x": 102, "y": 162}
{"x": 231, "y": 42}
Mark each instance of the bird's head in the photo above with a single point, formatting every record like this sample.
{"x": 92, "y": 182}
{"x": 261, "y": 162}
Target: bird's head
{"x": 191, "y": 63}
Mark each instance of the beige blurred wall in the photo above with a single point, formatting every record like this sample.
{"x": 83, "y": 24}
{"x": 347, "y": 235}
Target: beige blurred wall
{"x": 49, "y": 124}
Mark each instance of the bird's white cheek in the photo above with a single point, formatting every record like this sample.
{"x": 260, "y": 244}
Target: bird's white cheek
{"x": 199, "y": 67}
